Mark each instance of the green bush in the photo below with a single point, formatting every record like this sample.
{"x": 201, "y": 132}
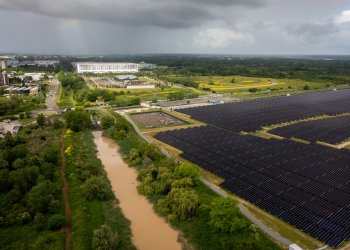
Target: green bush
{"x": 56, "y": 221}
{"x": 104, "y": 239}
{"x": 97, "y": 188}
{"x": 306, "y": 87}
{"x": 180, "y": 203}
{"x": 253, "y": 90}
{"x": 107, "y": 122}
{"x": 225, "y": 216}
{"x": 77, "y": 120}
{"x": 187, "y": 170}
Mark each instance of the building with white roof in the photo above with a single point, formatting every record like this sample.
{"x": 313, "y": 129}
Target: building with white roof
{"x": 99, "y": 68}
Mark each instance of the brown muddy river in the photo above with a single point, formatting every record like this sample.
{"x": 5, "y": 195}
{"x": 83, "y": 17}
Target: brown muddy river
{"x": 150, "y": 232}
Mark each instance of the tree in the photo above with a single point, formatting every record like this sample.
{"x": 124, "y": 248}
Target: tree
{"x": 40, "y": 196}
{"x": 4, "y": 179}
{"x": 23, "y": 179}
{"x": 56, "y": 221}
{"x": 104, "y": 239}
{"x": 180, "y": 203}
{"x": 187, "y": 170}
{"x": 40, "y": 120}
{"x": 225, "y": 216}
{"x": 51, "y": 154}
{"x": 77, "y": 120}
{"x": 97, "y": 188}
{"x": 107, "y": 122}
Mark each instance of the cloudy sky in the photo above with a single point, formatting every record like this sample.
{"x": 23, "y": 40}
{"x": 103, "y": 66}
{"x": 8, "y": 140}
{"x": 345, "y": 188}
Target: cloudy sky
{"x": 175, "y": 26}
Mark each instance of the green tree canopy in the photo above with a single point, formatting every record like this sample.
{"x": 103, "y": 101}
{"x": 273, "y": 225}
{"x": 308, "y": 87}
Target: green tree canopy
{"x": 180, "y": 203}
{"x": 225, "y": 215}
{"x": 77, "y": 120}
{"x": 104, "y": 239}
{"x": 107, "y": 122}
{"x": 187, "y": 170}
{"x": 97, "y": 188}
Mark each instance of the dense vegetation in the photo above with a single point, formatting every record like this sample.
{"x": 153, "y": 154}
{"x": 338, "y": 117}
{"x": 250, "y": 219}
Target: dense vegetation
{"x": 206, "y": 220}
{"x": 336, "y": 69}
{"x": 180, "y": 95}
{"x": 77, "y": 119}
{"x": 97, "y": 221}
{"x": 30, "y": 199}
{"x": 315, "y": 69}
{"x": 16, "y": 104}
{"x": 75, "y": 92}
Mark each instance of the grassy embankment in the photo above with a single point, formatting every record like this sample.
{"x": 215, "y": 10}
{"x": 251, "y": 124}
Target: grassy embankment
{"x": 88, "y": 215}
{"x": 196, "y": 229}
{"x": 66, "y": 99}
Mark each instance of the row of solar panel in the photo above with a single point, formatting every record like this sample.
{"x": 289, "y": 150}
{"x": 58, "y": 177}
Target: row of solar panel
{"x": 331, "y": 130}
{"x": 252, "y": 115}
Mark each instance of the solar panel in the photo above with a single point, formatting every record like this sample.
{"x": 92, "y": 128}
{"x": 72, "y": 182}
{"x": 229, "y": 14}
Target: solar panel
{"x": 331, "y": 130}
{"x": 307, "y": 186}
{"x": 252, "y": 115}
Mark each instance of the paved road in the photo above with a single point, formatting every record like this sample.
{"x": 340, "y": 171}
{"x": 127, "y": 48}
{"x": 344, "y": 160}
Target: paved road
{"x": 222, "y": 193}
{"x": 53, "y": 95}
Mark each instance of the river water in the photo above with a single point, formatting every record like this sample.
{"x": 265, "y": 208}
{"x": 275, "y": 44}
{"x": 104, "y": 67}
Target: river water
{"x": 150, "y": 232}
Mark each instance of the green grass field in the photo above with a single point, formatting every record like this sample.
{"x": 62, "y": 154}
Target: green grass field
{"x": 226, "y": 84}
{"x": 66, "y": 99}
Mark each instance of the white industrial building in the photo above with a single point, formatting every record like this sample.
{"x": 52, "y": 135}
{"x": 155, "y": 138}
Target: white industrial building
{"x": 93, "y": 67}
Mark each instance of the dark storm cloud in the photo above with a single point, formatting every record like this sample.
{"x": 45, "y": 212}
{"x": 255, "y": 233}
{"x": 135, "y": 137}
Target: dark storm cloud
{"x": 312, "y": 32}
{"x": 162, "y": 13}
{"x": 175, "y": 26}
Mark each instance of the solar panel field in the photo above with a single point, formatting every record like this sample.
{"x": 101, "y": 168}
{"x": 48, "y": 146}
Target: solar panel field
{"x": 331, "y": 130}
{"x": 252, "y": 115}
{"x": 306, "y": 185}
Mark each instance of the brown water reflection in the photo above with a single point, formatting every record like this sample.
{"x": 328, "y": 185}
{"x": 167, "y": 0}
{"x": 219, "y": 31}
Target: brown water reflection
{"x": 150, "y": 232}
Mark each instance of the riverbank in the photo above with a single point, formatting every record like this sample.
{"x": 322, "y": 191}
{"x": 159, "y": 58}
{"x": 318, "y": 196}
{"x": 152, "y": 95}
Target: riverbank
{"x": 150, "y": 232}
{"x": 156, "y": 170}
{"x": 90, "y": 213}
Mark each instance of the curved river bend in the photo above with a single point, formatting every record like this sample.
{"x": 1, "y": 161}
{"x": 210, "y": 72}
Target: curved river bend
{"x": 150, "y": 232}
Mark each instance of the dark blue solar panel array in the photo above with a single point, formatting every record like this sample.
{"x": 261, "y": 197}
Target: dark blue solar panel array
{"x": 252, "y": 115}
{"x": 332, "y": 130}
{"x": 306, "y": 185}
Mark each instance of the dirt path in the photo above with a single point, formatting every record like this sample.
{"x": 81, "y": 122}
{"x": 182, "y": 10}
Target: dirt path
{"x": 68, "y": 227}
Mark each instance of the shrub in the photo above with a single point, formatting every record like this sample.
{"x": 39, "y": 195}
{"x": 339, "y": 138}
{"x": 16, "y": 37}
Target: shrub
{"x": 187, "y": 170}
{"x": 306, "y": 87}
{"x": 225, "y": 216}
{"x": 180, "y": 203}
{"x": 56, "y": 221}
{"x": 107, "y": 122}
{"x": 77, "y": 120}
{"x": 41, "y": 196}
{"x": 97, "y": 188}
{"x": 104, "y": 239}
{"x": 253, "y": 90}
